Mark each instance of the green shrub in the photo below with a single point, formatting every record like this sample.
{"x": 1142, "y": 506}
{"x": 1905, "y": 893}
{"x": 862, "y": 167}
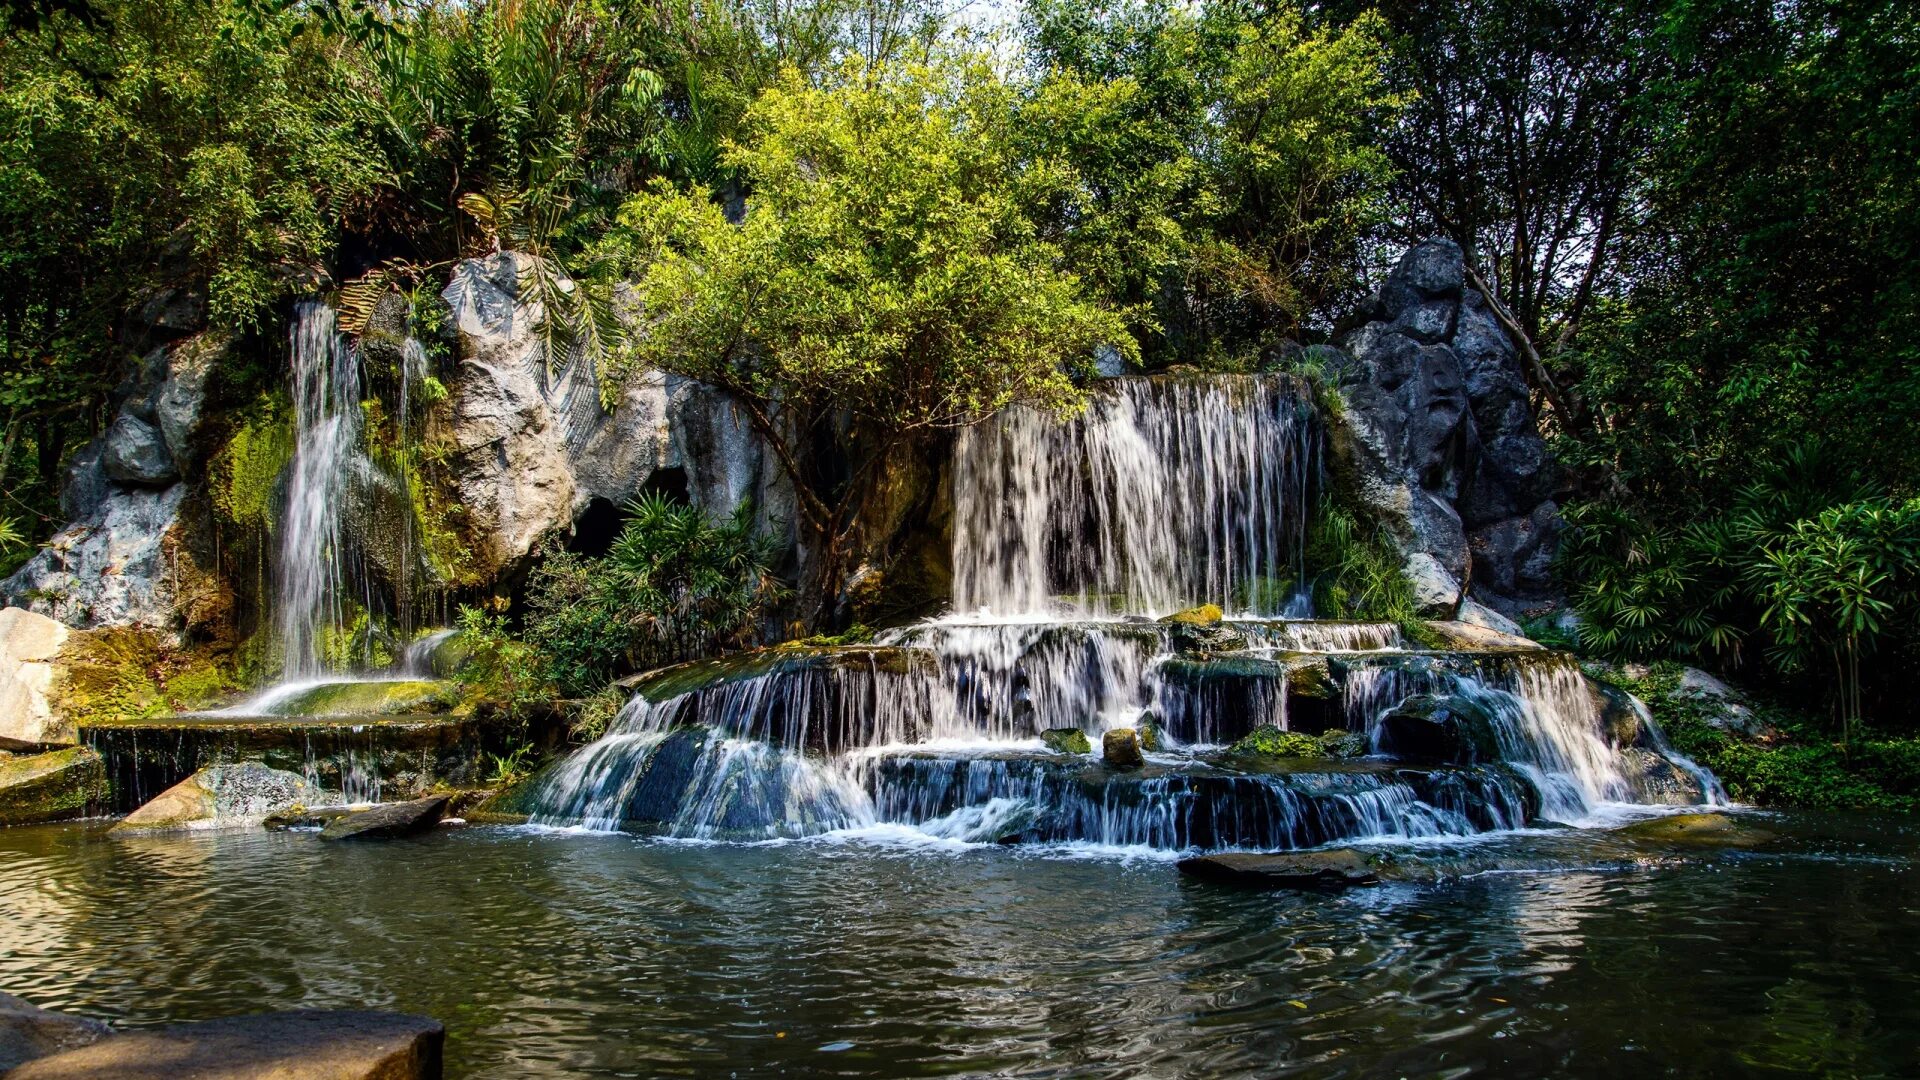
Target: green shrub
{"x": 1269, "y": 741}
{"x": 1355, "y": 570}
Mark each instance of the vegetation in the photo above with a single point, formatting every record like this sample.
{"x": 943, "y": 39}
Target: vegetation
{"x": 1700, "y": 219}
{"x": 1796, "y": 762}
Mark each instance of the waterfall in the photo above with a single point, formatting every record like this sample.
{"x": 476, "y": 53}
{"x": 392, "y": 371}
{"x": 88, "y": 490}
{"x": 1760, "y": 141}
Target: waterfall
{"x": 1168, "y": 492}
{"x": 326, "y": 402}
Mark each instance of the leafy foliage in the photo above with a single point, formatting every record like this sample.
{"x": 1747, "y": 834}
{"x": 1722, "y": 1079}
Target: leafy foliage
{"x": 674, "y": 586}
{"x": 1356, "y": 572}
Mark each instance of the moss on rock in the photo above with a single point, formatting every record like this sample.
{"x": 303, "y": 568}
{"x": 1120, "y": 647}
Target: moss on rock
{"x": 1066, "y": 741}
{"x": 1268, "y": 740}
{"x": 50, "y": 787}
{"x": 1204, "y": 615}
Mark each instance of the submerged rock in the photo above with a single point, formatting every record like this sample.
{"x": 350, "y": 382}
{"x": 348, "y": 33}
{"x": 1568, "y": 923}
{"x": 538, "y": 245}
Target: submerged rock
{"x": 29, "y": 644}
{"x": 50, "y": 787}
{"x": 1697, "y": 830}
{"x": 1439, "y": 728}
{"x": 1066, "y": 741}
{"x": 1338, "y": 868}
{"x": 28, "y": 1032}
{"x": 302, "y": 1045}
{"x": 220, "y": 796}
{"x": 1121, "y": 748}
{"x": 389, "y": 821}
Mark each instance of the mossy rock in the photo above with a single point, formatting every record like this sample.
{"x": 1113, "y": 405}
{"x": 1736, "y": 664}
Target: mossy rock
{"x": 1066, "y": 741}
{"x": 1153, "y": 738}
{"x": 50, "y": 787}
{"x": 1269, "y": 741}
{"x": 399, "y": 698}
{"x": 1204, "y": 615}
{"x": 1697, "y": 830}
{"x": 1121, "y": 748}
{"x": 1340, "y": 743}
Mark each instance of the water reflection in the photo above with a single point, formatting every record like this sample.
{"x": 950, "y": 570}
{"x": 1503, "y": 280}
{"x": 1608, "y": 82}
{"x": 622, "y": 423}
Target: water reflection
{"x": 566, "y": 954}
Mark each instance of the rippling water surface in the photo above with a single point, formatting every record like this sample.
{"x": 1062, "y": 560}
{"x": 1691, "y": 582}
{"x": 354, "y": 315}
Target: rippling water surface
{"x": 550, "y": 954}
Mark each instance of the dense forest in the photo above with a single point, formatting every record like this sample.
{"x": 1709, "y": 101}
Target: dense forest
{"x": 1700, "y": 219}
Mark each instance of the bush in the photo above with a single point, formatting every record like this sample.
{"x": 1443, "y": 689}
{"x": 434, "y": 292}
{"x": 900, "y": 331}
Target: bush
{"x": 674, "y": 587}
{"x": 1355, "y": 570}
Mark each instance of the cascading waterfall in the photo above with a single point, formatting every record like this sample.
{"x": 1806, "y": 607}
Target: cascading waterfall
{"x": 326, "y": 402}
{"x": 1167, "y": 493}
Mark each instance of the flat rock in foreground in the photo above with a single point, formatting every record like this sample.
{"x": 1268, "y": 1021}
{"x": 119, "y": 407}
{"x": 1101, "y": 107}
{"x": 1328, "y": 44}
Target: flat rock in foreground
{"x": 50, "y": 787}
{"x": 220, "y": 796}
{"x": 303, "y": 1045}
{"x": 1339, "y": 868}
{"x": 28, "y": 1032}
{"x": 1697, "y": 830}
{"x": 389, "y": 821}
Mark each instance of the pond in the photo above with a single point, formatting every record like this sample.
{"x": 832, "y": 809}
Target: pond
{"x": 564, "y": 953}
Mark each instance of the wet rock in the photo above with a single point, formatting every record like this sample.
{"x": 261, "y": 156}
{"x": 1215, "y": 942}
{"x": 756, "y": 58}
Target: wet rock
{"x": 1121, "y": 748}
{"x": 28, "y": 1032}
{"x": 1438, "y": 728}
{"x": 1204, "y": 615}
{"x": 1202, "y": 640}
{"x": 1268, "y": 740}
{"x": 389, "y": 821}
{"x": 1066, "y": 741}
{"x": 1338, "y": 868}
{"x": 1152, "y": 737}
{"x": 302, "y": 1045}
{"x": 136, "y": 455}
{"x": 220, "y": 796}
{"x": 1336, "y": 743}
{"x": 29, "y": 644}
{"x": 1697, "y": 830}
{"x": 53, "y": 786}
{"x": 1474, "y": 613}
{"x": 380, "y": 698}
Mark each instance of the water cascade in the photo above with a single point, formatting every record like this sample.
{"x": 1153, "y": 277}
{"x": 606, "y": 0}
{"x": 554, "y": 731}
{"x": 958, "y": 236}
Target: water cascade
{"x": 308, "y": 576}
{"x": 1070, "y": 537}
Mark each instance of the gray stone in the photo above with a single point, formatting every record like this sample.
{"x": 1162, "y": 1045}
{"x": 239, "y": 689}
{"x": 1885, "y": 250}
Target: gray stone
{"x": 1338, "y": 868}
{"x": 1474, "y": 613}
{"x": 86, "y": 485}
{"x": 29, "y": 646}
{"x": 28, "y": 1032}
{"x": 533, "y": 447}
{"x": 389, "y": 821}
{"x": 1436, "y": 593}
{"x": 301, "y": 1045}
{"x": 136, "y": 455}
{"x": 1437, "y": 439}
{"x": 182, "y": 395}
{"x": 176, "y": 310}
{"x": 1120, "y": 747}
{"x": 242, "y": 795}
{"x": 114, "y": 568}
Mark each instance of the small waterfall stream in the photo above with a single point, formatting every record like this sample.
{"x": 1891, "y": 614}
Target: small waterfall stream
{"x": 308, "y": 577}
{"x": 1169, "y": 492}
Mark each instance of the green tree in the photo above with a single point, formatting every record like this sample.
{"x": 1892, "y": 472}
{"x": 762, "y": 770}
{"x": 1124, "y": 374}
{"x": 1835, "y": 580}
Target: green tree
{"x": 887, "y": 278}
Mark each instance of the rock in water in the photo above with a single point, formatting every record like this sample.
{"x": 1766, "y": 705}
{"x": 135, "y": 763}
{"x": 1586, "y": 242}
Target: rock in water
{"x": 303, "y": 1045}
{"x": 1697, "y": 830}
{"x": 220, "y": 796}
{"x": 1121, "y": 748}
{"x": 28, "y": 1032}
{"x": 388, "y": 821}
{"x": 1066, "y": 740}
{"x": 1339, "y": 868}
{"x": 50, "y": 787}
{"x": 29, "y": 642}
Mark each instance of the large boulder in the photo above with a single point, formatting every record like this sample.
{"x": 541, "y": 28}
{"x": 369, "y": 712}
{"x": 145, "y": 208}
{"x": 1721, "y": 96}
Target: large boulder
{"x": 28, "y": 1032}
{"x": 220, "y": 796}
{"x": 533, "y": 446}
{"x": 131, "y": 554}
{"x": 1438, "y": 440}
{"x": 53, "y": 786}
{"x": 302, "y": 1045}
{"x": 29, "y": 644}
